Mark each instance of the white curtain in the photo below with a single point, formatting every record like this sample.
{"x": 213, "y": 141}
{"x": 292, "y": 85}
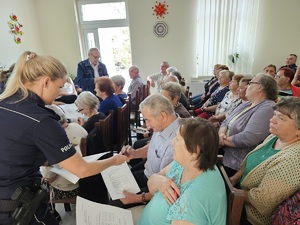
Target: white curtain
{"x": 226, "y": 34}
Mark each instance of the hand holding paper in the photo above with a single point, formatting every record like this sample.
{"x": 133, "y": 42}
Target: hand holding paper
{"x": 119, "y": 178}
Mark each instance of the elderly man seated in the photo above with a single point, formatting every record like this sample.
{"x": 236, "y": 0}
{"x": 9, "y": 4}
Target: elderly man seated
{"x": 159, "y": 114}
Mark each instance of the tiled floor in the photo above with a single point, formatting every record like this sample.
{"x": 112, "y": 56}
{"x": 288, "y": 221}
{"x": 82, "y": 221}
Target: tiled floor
{"x": 67, "y": 218}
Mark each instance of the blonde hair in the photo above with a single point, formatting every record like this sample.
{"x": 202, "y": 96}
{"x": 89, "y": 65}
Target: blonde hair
{"x": 28, "y": 69}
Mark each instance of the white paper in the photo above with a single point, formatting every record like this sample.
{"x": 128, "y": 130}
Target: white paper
{"x": 71, "y": 112}
{"x": 92, "y": 213}
{"x": 70, "y": 176}
{"x": 119, "y": 178}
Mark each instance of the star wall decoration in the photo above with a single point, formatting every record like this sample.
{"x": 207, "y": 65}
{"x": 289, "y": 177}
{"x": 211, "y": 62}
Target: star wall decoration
{"x": 160, "y": 9}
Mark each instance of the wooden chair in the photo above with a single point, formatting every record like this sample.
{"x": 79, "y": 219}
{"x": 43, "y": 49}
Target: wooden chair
{"x": 105, "y": 127}
{"x": 134, "y": 113}
{"x": 122, "y": 127}
{"x": 146, "y": 90}
{"x": 68, "y": 201}
{"x": 235, "y": 200}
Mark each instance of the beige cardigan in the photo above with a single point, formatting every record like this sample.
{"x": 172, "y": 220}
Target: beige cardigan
{"x": 271, "y": 182}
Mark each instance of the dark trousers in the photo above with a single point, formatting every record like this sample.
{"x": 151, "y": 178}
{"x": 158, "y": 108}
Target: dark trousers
{"x": 42, "y": 214}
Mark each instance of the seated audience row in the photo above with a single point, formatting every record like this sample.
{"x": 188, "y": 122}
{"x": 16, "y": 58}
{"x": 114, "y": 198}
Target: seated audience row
{"x": 209, "y": 107}
{"x": 247, "y": 125}
{"x": 230, "y": 101}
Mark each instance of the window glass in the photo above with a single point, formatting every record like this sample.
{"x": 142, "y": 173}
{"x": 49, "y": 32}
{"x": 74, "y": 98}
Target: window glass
{"x": 103, "y": 11}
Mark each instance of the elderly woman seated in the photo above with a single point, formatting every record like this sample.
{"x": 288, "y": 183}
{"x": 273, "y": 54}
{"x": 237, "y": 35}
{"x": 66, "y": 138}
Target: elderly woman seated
{"x": 87, "y": 104}
{"x": 209, "y": 107}
{"x": 284, "y": 78}
{"x": 270, "y": 173}
{"x": 119, "y": 82}
{"x": 230, "y": 101}
{"x": 247, "y": 125}
{"x": 190, "y": 190}
{"x": 172, "y": 91}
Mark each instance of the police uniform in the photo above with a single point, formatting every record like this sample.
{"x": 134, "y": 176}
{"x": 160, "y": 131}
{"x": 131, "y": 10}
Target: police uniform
{"x": 30, "y": 135}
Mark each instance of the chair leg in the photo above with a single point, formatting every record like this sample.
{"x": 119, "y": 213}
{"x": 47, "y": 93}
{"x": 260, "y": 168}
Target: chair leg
{"x": 129, "y": 136}
{"x": 67, "y": 207}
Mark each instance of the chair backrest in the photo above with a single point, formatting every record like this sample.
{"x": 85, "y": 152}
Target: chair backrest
{"x": 146, "y": 90}
{"x": 122, "y": 127}
{"x": 105, "y": 128}
{"x": 83, "y": 146}
{"x": 235, "y": 200}
{"x": 134, "y": 113}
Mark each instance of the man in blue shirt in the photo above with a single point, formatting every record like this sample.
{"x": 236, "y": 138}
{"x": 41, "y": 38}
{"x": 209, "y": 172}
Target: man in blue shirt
{"x": 90, "y": 69}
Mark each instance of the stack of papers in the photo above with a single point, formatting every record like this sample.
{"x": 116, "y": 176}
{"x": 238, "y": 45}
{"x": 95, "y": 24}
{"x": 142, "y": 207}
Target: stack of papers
{"x": 92, "y": 213}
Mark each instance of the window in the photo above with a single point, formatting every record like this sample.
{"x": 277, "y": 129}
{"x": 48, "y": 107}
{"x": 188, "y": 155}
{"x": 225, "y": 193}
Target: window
{"x": 103, "y": 11}
{"x": 104, "y": 24}
{"x": 226, "y": 34}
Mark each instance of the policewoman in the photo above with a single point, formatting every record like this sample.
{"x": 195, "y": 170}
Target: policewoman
{"x": 30, "y": 135}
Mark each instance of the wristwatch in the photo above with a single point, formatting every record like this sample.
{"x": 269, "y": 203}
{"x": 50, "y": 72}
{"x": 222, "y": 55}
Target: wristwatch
{"x": 143, "y": 198}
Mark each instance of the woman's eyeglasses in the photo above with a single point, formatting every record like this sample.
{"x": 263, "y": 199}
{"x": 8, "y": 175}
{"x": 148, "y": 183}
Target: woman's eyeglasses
{"x": 253, "y": 82}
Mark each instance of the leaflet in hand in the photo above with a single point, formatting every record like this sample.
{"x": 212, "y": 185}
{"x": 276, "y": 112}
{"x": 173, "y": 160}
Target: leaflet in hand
{"x": 119, "y": 178}
{"x": 70, "y": 176}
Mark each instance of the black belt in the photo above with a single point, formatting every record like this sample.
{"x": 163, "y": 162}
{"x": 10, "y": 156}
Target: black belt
{"x": 8, "y": 205}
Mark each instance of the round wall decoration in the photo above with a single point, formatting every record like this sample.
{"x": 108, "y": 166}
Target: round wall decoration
{"x": 160, "y": 29}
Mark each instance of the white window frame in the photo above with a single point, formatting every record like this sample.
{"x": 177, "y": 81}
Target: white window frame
{"x": 93, "y": 26}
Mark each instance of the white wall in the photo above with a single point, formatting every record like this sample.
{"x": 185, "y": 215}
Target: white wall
{"x": 31, "y": 40}
{"x": 177, "y": 47}
{"x": 278, "y": 33}
{"x": 58, "y": 29}
{"x": 50, "y": 27}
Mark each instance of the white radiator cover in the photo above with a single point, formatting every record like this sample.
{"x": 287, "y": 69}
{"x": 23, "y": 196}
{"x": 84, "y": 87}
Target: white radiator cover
{"x": 196, "y": 87}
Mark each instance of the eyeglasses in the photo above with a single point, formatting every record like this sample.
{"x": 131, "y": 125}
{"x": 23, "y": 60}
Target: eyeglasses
{"x": 253, "y": 82}
{"x": 95, "y": 57}
{"x": 79, "y": 110}
{"x": 277, "y": 76}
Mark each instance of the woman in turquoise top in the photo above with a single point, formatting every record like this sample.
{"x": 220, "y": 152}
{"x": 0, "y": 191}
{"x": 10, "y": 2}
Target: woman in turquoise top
{"x": 190, "y": 190}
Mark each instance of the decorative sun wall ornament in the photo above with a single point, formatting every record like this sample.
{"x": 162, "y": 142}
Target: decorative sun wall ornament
{"x": 15, "y": 28}
{"x": 160, "y": 9}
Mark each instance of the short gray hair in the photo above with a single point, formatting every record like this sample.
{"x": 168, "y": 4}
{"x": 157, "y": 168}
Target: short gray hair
{"x": 118, "y": 80}
{"x": 173, "y": 88}
{"x": 87, "y": 100}
{"x": 270, "y": 86}
{"x": 290, "y": 106}
{"x": 157, "y": 103}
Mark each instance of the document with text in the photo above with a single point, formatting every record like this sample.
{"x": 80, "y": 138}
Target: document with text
{"x": 92, "y": 213}
{"x": 119, "y": 178}
{"x": 70, "y": 176}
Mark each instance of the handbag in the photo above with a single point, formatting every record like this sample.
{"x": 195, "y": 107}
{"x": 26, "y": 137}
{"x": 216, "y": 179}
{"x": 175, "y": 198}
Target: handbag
{"x": 288, "y": 212}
